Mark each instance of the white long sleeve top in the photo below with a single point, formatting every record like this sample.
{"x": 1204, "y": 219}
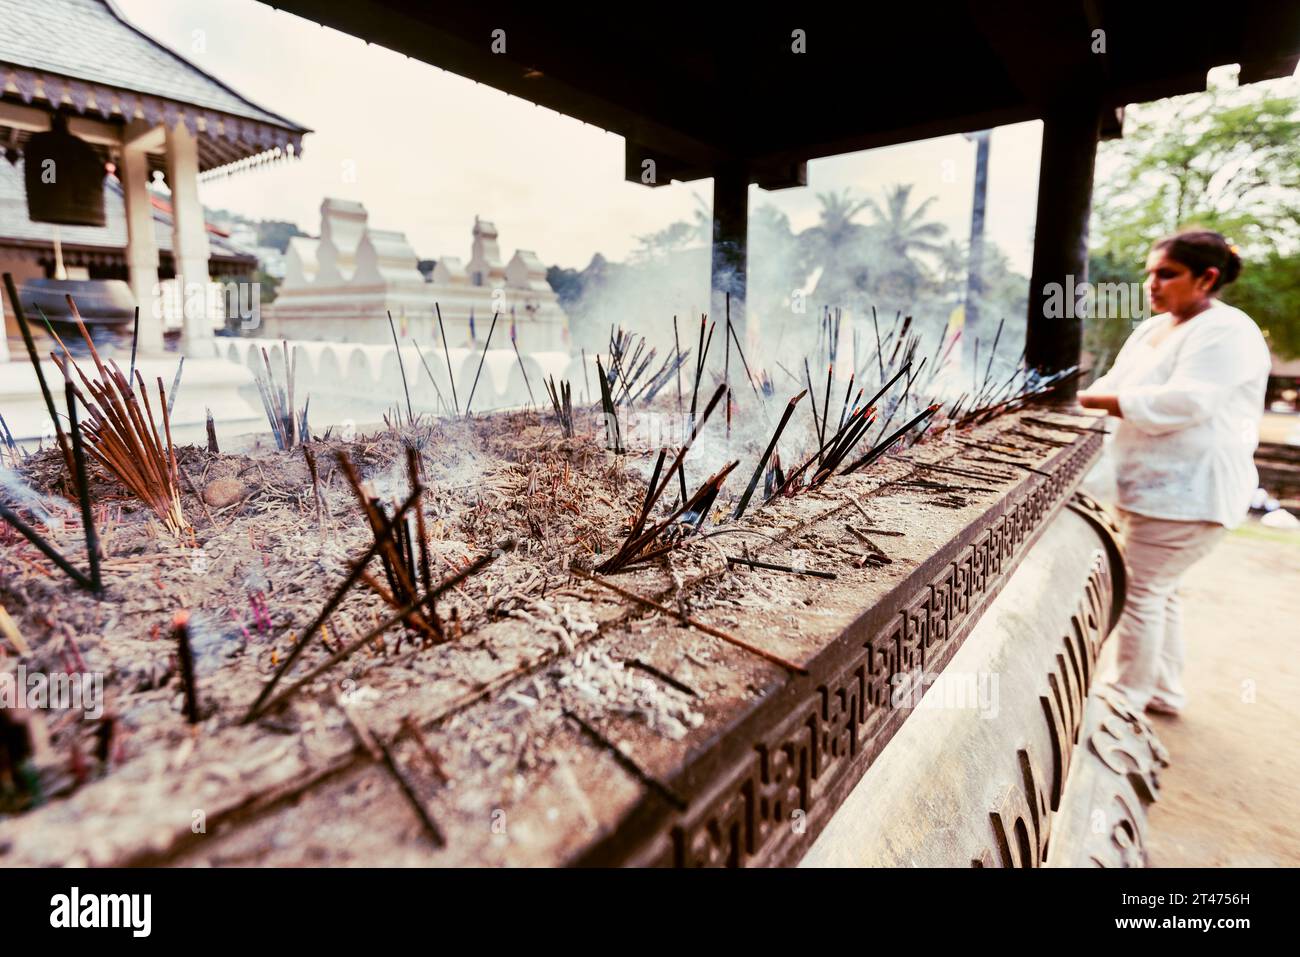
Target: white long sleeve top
{"x": 1191, "y": 407}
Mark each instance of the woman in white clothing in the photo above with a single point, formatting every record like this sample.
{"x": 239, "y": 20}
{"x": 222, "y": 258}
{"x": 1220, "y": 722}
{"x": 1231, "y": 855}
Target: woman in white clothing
{"x": 1188, "y": 391}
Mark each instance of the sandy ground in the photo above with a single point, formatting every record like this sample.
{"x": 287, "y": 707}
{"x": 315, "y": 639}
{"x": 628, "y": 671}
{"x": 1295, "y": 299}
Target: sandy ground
{"x": 1230, "y": 797}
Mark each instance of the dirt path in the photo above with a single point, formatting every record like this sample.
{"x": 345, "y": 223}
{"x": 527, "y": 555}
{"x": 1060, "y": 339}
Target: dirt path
{"x": 1230, "y": 797}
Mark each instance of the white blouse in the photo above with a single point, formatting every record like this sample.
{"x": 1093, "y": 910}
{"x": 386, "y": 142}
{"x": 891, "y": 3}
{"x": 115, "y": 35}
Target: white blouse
{"x": 1184, "y": 447}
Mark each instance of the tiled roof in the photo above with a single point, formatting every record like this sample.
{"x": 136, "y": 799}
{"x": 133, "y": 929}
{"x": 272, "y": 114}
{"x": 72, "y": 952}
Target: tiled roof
{"x": 89, "y": 40}
{"x": 17, "y": 227}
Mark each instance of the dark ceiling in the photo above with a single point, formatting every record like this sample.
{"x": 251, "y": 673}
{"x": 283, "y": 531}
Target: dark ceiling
{"x": 697, "y": 87}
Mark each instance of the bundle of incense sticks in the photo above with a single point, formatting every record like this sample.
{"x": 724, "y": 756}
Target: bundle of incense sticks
{"x": 883, "y": 446}
{"x": 637, "y": 546}
{"x": 397, "y": 551}
{"x": 561, "y": 401}
{"x": 287, "y": 429}
{"x": 655, "y": 383}
{"x": 613, "y": 432}
{"x": 118, "y": 437}
{"x": 266, "y": 702}
{"x": 762, "y": 462}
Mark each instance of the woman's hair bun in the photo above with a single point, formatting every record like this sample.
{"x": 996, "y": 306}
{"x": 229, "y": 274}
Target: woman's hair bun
{"x": 1202, "y": 249}
{"x": 1232, "y": 268}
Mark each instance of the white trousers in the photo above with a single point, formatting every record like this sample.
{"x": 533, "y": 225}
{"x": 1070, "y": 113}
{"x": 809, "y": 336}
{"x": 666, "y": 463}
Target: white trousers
{"x": 1149, "y": 664}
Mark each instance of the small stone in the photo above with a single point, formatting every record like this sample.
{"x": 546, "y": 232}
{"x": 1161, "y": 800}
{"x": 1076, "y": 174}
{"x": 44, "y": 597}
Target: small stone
{"x": 223, "y": 491}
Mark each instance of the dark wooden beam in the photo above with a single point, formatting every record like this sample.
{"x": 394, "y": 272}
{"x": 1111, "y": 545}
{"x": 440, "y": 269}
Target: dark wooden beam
{"x": 730, "y": 243}
{"x": 1071, "y": 129}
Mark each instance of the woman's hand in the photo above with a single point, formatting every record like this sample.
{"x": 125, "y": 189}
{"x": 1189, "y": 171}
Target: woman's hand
{"x": 1107, "y": 403}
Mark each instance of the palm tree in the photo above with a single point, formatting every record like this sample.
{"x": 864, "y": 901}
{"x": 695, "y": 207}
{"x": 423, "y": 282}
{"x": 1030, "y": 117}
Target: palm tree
{"x": 906, "y": 232}
{"x": 837, "y": 245}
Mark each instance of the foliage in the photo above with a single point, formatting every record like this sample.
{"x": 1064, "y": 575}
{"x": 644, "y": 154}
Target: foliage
{"x": 1227, "y": 160}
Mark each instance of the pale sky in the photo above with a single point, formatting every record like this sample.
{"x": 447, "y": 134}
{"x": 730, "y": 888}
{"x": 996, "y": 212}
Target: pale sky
{"x": 426, "y": 150}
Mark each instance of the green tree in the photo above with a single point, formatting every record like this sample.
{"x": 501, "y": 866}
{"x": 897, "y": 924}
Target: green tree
{"x": 1227, "y": 160}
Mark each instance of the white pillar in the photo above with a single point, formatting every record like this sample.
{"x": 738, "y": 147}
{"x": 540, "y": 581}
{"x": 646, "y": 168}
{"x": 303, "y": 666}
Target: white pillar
{"x": 189, "y": 237}
{"x": 141, "y": 246}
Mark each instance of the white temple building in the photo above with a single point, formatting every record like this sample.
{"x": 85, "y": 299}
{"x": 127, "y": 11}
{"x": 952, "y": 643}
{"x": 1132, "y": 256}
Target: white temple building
{"x": 342, "y": 287}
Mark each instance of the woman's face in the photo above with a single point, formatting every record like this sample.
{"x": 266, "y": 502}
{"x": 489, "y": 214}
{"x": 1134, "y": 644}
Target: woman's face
{"x": 1171, "y": 287}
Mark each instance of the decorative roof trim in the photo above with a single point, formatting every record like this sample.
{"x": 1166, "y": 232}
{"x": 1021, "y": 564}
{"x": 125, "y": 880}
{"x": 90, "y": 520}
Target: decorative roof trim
{"x": 256, "y": 142}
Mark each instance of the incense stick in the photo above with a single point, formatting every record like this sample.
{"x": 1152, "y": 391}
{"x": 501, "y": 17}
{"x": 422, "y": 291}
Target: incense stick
{"x": 176, "y": 386}
{"x": 135, "y": 337}
{"x": 482, "y": 359}
{"x": 451, "y": 376}
{"x": 773, "y": 566}
{"x": 40, "y": 375}
{"x": 401, "y": 367}
{"x": 762, "y": 462}
{"x": 427, "y": 371}
{"x": 83, "y": 489}
{"x": 185, "y": 656}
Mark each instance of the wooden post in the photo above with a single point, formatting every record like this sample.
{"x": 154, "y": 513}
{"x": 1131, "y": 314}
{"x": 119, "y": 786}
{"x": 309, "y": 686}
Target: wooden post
{"x": 190, "y": 237}
{"x": 730, "y": 243}
{"x": 1070, "y": 133}
{"x": 141, "y": 246}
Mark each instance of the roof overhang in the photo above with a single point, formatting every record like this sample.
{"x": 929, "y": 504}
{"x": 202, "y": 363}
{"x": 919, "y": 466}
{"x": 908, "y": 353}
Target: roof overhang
{"x": 715, "y": 86}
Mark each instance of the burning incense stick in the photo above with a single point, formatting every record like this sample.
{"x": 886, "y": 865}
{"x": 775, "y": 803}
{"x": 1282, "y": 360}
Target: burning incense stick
{"x": 586, "y": 378}
{"x": 413, "y": 476}
{"x": 451, "y": 376}
{"x": 486, "y": 345}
